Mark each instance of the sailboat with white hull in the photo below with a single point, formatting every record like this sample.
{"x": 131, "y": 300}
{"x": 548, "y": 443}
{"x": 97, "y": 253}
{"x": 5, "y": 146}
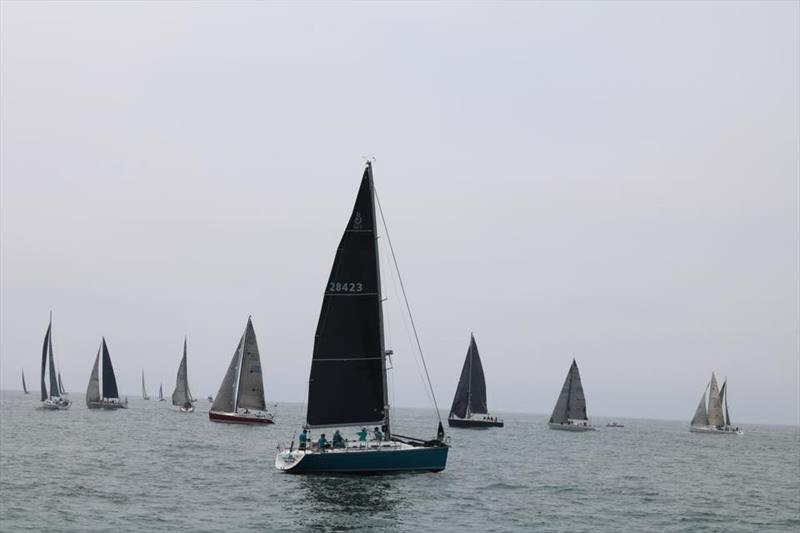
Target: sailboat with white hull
{"x": 240, "y": 399}
{"x": 52, "y": 400}
{"x": 103, "y": 393}
{"x": 181, "y": 397}
{"x": 347, "y": 384}
{"x": 469, "y": 403}
{"x": 712, "y": 420}
{"x": 24, "y": 385}
{"x": 569, "y": 413}
{"x": 144, "y": 389}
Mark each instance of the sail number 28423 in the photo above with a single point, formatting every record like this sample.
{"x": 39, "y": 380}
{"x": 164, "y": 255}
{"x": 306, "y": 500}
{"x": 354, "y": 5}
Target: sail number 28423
{"x": 345, "y": 287}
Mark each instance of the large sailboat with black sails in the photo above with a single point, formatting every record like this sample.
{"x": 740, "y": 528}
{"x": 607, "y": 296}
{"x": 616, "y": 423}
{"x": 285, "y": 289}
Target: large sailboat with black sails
{"x": 52, "y": 400}
{"x": 240, "y": 399}
{"x": 569, "y": 413}
{"x": 713, "y": 420}
{"x": 469, "y": 408}
{"x": 347, "y": 385}
{"x": 102, "y": 391}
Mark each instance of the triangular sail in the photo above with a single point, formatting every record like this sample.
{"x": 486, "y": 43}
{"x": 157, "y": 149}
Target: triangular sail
{"x": 109, "y": 380}
{"x": 225, "y": 401}
{"x": 715, "y": 417}
{"x": 571, "y": 403}
{"x": 93, "y": 390}
{"x": 723, "y": 394}
{"x": 61, "y": 389}
{"x": 700, "y": 416}
{"x": 470, "y": 397}
{"x": 347, "y": 383}
{"x": 251, "y": 382}
{"x": 54, "y": 389}
{"x": 144, "y": 389}
{"x": 181, "y": 394}
{"x": 44, "y": 395}
{"x": 160, "y": 391}
{"x": 24, "y": 386}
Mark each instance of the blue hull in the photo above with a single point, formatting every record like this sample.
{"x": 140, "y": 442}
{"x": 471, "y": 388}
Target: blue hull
{"x": 431, "y": 459}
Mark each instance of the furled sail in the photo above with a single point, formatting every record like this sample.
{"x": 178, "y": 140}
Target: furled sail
{"x": 251, "y": 382}
{"x": 347, "y": 380}
{"x": 470, "y": 397}
{"x": 93, "y": 390}
{"x": 715, "y": 417}
{"x": 700, "y": 416}
{"x": 181, "y": 394}
{"x": 109, "y": 380}
{"x": 571, "y": 403}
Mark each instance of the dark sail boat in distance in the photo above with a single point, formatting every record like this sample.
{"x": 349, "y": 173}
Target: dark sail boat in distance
{"x": 469, "y": 403}
{"x": 240, "y": 399}
{"x": 53, "y": 400}
{"x": 712, "y": 420}
{"x": 570, "y": 411}
{"x": 24, "y": 386}
{"x": 347, "y": 383}
{"x": 109, "y": 399}
{"x": 181, "y": 397}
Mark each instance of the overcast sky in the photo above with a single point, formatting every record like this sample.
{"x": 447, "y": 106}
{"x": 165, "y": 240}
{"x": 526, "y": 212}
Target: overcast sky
{"x": 618, "y": 182}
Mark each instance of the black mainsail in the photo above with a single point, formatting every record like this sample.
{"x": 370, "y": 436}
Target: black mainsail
{"x": 470, "y": 397}
{"x": 571, "y": 403}
{"x": 109, "y": 380}
{"x": 347, "y": 384}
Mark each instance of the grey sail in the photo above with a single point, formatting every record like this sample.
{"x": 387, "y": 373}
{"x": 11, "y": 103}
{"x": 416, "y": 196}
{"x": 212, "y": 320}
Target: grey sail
{"x": 470, "y": 397}
{"x": 700, "y": 416}
{"x": 144, "y": 389}
{"x": 715, "y": 417}
{"x": 60, "y": 384}
{"x": 181, "y": 394}
{"x": 24, "y": 386}
{"x": 54, "y": 389}
{"x": 226, "y": 395}
{"x": 44, "y": 395}
{"x": 571, "y": 403}
{"x": 93, "y": 390}
{"x": 251, "y": 382}
{"x": 160, "y": 392}
{"x": 723, "y": 394}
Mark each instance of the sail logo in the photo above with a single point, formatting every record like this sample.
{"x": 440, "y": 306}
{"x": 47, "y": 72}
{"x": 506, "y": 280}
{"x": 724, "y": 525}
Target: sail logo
{"x": 357, "y": 220}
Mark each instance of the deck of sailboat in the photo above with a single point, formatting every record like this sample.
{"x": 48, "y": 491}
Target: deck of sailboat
{"x": 361, "y": 458}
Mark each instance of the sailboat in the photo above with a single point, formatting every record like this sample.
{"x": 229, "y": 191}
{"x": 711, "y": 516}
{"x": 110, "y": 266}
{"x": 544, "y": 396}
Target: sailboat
{"x": 240, "y": 398}
{"x": 469, "y": 403}
{"x": 144, "y": 390}
{"x": 161, "y": 393}
{"x": 61, "y": 389}
{"x": 570, "y": 410}
{"x": 54, "y": 400}
{"x": 712, "y": 420}
{"x": 181, "y": 397}
{"x": 347, "y": 384}
{"x": 24, "y": 386}
{"x": 109, "y": 399}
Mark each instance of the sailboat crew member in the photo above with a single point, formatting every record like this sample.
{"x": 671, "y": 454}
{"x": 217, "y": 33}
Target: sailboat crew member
{"x": 338, "y": 441}
{"x": 322, "y": 442}
{"x": 378, "y": 434}
{"x": 303, "y": 438}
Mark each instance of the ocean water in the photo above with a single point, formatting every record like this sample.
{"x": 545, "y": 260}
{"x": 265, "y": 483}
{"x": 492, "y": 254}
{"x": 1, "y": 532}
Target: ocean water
{"x": 150, "y": 468}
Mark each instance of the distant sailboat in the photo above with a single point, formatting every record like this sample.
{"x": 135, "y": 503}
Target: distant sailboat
{"x": 181, "y": 397}
{"x": 712, "y": 419}
{"x": 24, "y": 386}
{"x": 61, "y": 385}
{"x": 109, "y": 399}
{"x": 161, "y": 393}
{"x": 240, "y": 398}
{"x": 348, "y": 382}
{"x": 570, "y": 410}
{"x": 469, "y": 403}
{"x": 54, "y": 400}
{"x": 144, "y": 389}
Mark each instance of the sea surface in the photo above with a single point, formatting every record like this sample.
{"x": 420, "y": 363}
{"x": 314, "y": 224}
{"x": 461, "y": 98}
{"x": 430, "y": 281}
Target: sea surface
{"x": 151, "y": 468}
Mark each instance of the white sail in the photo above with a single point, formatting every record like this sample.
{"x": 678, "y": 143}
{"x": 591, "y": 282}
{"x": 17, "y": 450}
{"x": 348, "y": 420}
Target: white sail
{"x": 93, "y": 390}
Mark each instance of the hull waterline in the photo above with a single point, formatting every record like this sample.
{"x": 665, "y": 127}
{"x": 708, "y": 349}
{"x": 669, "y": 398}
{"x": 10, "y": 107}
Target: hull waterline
{"x": 570, "y": 427}
{"x": 384, "y": 459}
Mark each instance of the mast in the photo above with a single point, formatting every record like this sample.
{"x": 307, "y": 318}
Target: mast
{"x": 387, "y": 425}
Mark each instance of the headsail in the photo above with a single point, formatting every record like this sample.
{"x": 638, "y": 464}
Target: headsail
{"x": 181, "y": 394}
{"x": 61, "y": 389}
{"x": 470, "y": 397}
{"x": 723, "y": 394}
{"x": 226, "y": 395}
{"x": 715, "y": 417}
{"x": 93, "y": 390}
{"x": 144, "y": 389}
{"x": 109, "y": 380}
{"x": 251, "y": 382}
{"x": 347, "y": 384}
{"x": 700, "y": 416}
{"x": 54, "y": 389}
{"x": 44, "y": 395}
{"x": 571, "y": 403}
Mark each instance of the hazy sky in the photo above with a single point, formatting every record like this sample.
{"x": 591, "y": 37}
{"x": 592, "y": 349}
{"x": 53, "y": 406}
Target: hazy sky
{"x": 619, "y": 182}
